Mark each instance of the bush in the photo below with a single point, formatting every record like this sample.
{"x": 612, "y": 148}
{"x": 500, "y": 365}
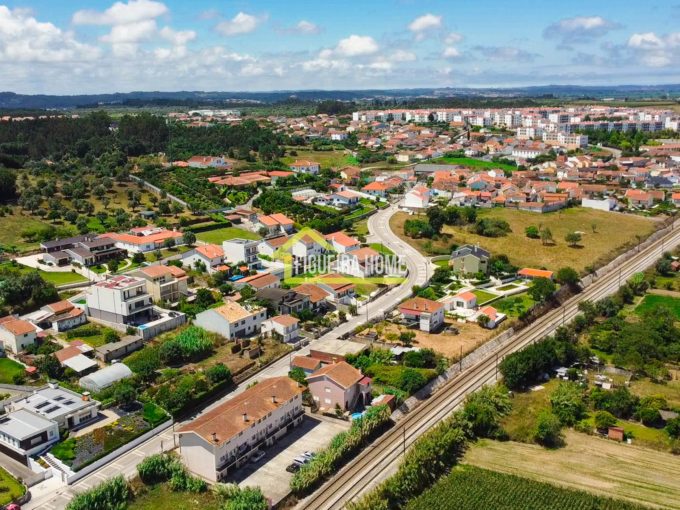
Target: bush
{"x": 403, "y": 378}
{"x": 218, "y": 373}
{"x": 490, "y": 227}
{"x": 568, "y": 403}
{"x": 248, "y": 498}
{"x": 109, "y": 495}
{"x": 423, "y": 358}
{"x": 484, "y": 409}
{"x": 673, "y": 428}
{"x": 603, "y": 420}
{"x": 548, "y": 431}
{"x": 157, "y": 468}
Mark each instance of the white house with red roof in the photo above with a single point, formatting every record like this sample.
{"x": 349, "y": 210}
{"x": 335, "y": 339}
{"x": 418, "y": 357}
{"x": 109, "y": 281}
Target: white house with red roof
{"x": 361, "y": 263}
{"x": 427, "y": 313}
{"x": 16, "y": 334}
{"x": 639, "y": 198}
{"x": 144, "y": 239}
{"x": 285, "y": 326}
{"x": 342, "y": 243}
{"x": 303, "y": 166}
{"x": 417, "y": 198}
{"x": 275, "y": 223}
{"x": 344, "y": 198}
{"x": 494, "y": 316}
{"x": 210, "y": 255}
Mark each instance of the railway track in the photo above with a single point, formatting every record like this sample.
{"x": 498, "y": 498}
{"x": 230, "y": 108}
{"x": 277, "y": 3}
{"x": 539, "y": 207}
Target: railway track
{"x": 381, "y": 458}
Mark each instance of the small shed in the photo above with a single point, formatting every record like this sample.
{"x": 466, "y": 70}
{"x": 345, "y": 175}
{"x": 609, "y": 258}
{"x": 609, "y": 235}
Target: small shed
{"x": 105, "y": 377}
{"x": 615, "y": 433}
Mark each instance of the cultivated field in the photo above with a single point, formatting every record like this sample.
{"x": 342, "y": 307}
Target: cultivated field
{"x": 327, "y": 159}
{"x": 473, "y": 488}
{"x": 473, "y": 163}
{"x": 589, "y": 463}
{"x": 608, "y": 240}
{"x": 651, "y": 301}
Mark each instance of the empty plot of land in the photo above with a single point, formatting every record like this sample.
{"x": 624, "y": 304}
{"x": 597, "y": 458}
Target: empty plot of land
{"x": 224, "y": 234}
{"x": 589, "y": 463}
{"x": 613, "y": 233}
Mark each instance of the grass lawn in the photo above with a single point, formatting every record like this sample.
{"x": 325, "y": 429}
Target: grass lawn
{"x": 11, "y": 227}
{"x": 8, "y": 369}
{"x": 598, "y": 465}
{"x": 507, "y": 287}
{"x": 327, "y": 159}
{"x": 358, "y": 228}
{"x": 10, "y": 488}
{"x": 57, "y": 278}
{"x": 442, "y": 263}
{"x": 381, "y": 248}
{"x": 515, "y": 305}
{"x": 483, "y": 296}
{"x": 650, "y": 301}
{"x": 670, "y": 390}
{"x": 160, "y": 497}
{"x": 83, "y": 333}
{"x": 526, "y": 406}
{"x": 597, "y": 248}
{"x": 224, "y": 234}
{"x": 472, "y": 163}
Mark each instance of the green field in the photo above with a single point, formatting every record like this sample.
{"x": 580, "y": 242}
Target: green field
{"x": 57, "y": 278}
{"x": 472, "y": 488}
{"x": 11, "y": 227}
{"x": 650, "y": 301}
{"x": 514, "y": 306}
{"x": 10, "y": 488}
{"x": 224, "y": 234}
{"x": 483, "y": 296}
{"x": 473, "y": 163}
{"x": 381, "y": 248}
{"x": 327, "y": 159}
{"x": 614, "y": 234}
{"x": 160, "y": 497}
{"x": 8, "y": 369}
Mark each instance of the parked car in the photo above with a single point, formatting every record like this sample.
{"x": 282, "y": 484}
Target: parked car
{"x": 300, "y": 460}
{"x": 293, "y": 468}
{"x": 259, "y": 454}
{"x": 308, "y": 455}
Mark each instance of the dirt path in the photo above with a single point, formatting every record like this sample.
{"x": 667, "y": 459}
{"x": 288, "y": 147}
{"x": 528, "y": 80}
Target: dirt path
{"x": 589, "y": 463}
{"x": 663, "y": 292}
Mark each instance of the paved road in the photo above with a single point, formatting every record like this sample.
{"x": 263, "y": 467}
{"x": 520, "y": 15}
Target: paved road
{"x": 382, "y": 458}
{"x": 51, "y": 495}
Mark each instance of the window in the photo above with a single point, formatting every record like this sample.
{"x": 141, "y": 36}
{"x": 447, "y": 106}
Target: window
{"x": 327, "y": 389}
{"x": 327, "y": 400}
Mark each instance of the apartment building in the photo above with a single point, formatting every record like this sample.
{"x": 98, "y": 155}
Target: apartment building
{"x": 223, "y": 439}
{"x": 120, "y": 299}
{"x": 164, "y": 283}
{"x": 241, "y": 250}
{"x": 232, "y": 320}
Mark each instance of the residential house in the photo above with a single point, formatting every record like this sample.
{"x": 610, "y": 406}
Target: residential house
{"x": 118, "y": 350}
{"x": 318, "y": 297}
{"x": 269, "y": 245}
{"x": 120, "y": 299}
{"x": 465, "y": 300}
{"x": 63, "y": 315}
{"x": 208, "y": 162}
{"x": 284, "y": 301}
{"x": 376, "y": 189}
{"x": 241, "y": 250}
{"x": 144, "y": 239}
{"x": 16, "y": 334}
{"x": 530, "y": 273}
{"x": 305, "y": 250}
{"x": 232, "y": 320}
{"x": 164, "y": 283}
{"x": 305, "y": 167}
{"x": 639, "y": 198}
{"x": 222, "y": 439}
{"x": 275, "y": 224}
{"x": 338, "y": 287}
{"x": 259, "y": 281}
{"x": 469, "y": 259}
{"x": 339, "y": 385}
{"x": 306, "y": 363}
{"x": 74, "y": 357}
{"x": 342, "y": 243}
{"x": 87, "y": 250}
{"x": 284, "y": 327}
{"x": 344, "y": 199}
{"x": 362, "y": 263}
{"x": 24, "y": 433}
{"x": 210, "y": 255}
{"x": 417, "y": 198}
{"x": 494, "y": 317}
{"x": 428, "y": 314}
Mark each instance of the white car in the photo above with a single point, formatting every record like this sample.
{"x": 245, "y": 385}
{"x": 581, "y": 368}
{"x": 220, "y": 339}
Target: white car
{"x": 259, "y": 454}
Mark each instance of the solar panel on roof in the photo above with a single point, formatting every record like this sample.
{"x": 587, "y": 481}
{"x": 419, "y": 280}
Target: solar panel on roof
{"x": 58, "y": 398}
{"x": 42, "y": 404}
{"x": 52, "y": 409}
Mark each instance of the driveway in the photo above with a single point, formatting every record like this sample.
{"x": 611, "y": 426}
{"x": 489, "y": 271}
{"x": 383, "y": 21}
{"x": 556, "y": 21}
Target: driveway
{"x": 270, "y": 473}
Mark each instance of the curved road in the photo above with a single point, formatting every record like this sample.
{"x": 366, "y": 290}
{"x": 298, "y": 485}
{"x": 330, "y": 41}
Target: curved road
{"x": 51, "y": 495}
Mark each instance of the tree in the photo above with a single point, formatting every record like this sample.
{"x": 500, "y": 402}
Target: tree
{"x": 8, "y": 189}
{"x": 673, "y": 428}
{"x": 573, "y": 238}
{"x": 603, "y": 420}
{"x": 546, "y": 236}
{"x": 542, "y": 289}
{"x": 218, "y": 373}
{"x": 298, "y": 375}
{"x": 568, "y": 404}
{"x": 483, "y": 320}
{"x": 406, "y": 338}
{"x": 138, "y": 258}
{"x": 411, "y": 380}
{"x": 189, "y": 237}
{"x": 663, "y": 266}
{"x": 568, "y": 276}
{"x": 169, "y": 243}
{"x": 113, "y": 265}
{"x": 110, "y": 336}
{"x": 532, "y": 232}
{"x": 548, "y": 431}
{"x": 125, "y": 394}
{"x": 49, "y": 365}
{"x": 204, "y": 298}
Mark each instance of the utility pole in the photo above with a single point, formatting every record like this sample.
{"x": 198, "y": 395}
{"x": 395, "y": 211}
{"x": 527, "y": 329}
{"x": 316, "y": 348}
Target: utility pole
{"x": 496, "y": 366}
{"x": 460, "y": 360}
{"x": 404, "y": 441}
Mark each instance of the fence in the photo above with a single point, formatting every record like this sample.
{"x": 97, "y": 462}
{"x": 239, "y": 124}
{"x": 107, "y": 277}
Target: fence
{"x": 158, "y": 190}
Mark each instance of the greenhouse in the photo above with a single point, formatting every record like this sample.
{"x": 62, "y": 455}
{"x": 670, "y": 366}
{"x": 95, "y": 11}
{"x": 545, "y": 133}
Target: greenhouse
{"x": 105, "y": 377}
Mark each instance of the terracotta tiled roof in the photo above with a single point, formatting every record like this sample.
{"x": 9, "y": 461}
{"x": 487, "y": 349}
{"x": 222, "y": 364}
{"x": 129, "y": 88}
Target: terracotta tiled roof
{"x": 306, "y": 362}
{"x": 211, "y": 251}
{"x": 419, "y": 304}
{"x": 18, "y": 326}
{"x": 342, "y": 373}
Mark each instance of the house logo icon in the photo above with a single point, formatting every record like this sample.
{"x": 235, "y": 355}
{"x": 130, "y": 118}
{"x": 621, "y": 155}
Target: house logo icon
{"x": 322, "y": 255}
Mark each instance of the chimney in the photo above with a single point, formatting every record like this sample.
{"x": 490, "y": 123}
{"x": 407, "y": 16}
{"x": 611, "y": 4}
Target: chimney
{"x": 273, "y": 399}
{"x": 245, "y": 417}
{"x": 86, "y": 396}
{"x": 214, "y": 437}
{"x": 53, "y": 384}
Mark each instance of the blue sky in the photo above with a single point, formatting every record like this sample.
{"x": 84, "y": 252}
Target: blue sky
{"x": 49, "y": 46}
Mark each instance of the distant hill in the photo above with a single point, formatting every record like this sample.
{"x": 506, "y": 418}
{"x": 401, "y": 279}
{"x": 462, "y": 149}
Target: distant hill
{"x": 11, "y": 100}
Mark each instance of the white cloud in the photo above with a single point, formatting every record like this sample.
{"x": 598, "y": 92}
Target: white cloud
{"x": 505, "y": 53}
{"x": 402, "y": 56}
{"x": 307, "y": 27}
{"x": 654, "y": 50}
{"x": 25, "y": 39}
{"x": 579, "y": 29}
{"x": 131, "y": 32}
{"x": 240, "y": 24}
{"x": 121, "y": 13}
{"x": 425, "y": 22}
{"x": 177, "y": 37}
{"x": 453, "y": 38}
{"x": 356, "y": 45}
{"x": 451, "y": 52}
